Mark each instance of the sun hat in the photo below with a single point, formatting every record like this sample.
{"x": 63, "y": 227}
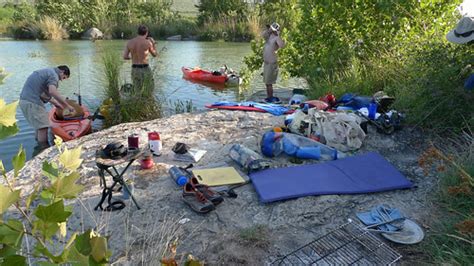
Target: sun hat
{"x": 463, "y": 33}
{"x": 275, "y": 26}
{"x": 466, "y": 9}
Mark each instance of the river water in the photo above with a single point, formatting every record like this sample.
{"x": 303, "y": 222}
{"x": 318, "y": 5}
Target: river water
{"x": 84, "y": 58}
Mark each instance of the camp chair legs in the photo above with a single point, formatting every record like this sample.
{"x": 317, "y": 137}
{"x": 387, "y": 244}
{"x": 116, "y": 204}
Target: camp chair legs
{"x": 108, "y": 190}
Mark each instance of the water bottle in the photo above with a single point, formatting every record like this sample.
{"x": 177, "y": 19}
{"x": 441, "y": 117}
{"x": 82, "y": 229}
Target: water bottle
{"x": 306, "y": 148}
{"x": 248, "y": 158}
{"x": 179, "y": 175}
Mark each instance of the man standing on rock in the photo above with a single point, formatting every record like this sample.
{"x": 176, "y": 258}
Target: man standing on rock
{"x": 273, "y": 42}
{"x": 42, "y": 87}
{"x": 139, "y": 48}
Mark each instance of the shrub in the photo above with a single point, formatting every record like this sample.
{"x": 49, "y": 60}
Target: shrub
{"x": 39, "y": 236}
{"x": 48, "y": 28}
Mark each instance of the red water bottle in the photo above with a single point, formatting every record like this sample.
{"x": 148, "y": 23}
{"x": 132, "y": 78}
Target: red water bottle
{"x": 154, "y": 143}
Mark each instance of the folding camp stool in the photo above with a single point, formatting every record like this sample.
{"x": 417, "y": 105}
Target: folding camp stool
{"x": 105, "y": 165}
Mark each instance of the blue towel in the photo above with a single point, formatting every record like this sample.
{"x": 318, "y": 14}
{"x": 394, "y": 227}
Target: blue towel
{"x": 273, "y": 109}
{"x": 380, "y": 214}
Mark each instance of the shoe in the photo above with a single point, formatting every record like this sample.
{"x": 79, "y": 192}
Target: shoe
{"x": 215, "y": 198}
{"x": 196, "y": 200}
{"x": 274, "y": 100}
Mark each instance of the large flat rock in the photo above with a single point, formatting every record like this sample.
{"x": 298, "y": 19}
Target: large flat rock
{"x": 241, "y": 230}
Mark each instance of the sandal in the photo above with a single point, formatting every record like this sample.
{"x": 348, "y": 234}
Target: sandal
{"x": 196, "y": 200}
{"x": 215, "y": 198}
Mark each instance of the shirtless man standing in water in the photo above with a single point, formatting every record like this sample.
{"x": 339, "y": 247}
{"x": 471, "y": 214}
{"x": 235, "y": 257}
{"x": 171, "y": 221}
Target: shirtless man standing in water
{"x": 139, "y": 48}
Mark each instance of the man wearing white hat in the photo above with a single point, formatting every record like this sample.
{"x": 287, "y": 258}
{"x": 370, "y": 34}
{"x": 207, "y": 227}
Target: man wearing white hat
{"x": 273, "y": 42}
{"x": 464, "y": 34}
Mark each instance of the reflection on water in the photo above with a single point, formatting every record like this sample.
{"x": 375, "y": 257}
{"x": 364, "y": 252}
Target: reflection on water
{"x": 21, "y": 58}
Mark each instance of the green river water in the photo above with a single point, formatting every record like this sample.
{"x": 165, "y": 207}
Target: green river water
{"x": 21, "y": 58}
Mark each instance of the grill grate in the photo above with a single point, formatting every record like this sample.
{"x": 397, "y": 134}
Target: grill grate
{"x": 348, "y": 244}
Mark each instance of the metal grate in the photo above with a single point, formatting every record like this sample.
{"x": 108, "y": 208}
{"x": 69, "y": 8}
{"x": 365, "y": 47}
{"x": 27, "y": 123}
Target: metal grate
{"x": 348, "y": 244}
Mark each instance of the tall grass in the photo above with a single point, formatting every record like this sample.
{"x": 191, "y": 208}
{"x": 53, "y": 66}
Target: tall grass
{"x": 254, "y": 23}
{"x": 452, "y": 237}
{"x": 132, "y": 105}
{"x": 226, "y": 28}
{"x": 48, "y": 28}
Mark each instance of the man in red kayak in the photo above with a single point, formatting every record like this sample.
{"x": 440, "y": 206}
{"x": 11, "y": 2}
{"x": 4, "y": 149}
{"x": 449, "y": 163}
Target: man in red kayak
{"x": 42, "y": 87}
{"x": 138, "y": 49}
{"x": 273, "y": 42}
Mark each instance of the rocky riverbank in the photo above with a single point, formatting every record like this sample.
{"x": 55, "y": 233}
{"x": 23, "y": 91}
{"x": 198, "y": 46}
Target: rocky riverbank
{"x": 241, "y": 230}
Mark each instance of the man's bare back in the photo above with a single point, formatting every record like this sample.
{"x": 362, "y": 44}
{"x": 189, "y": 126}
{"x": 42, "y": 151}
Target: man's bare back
{"x": 139, "y": 48}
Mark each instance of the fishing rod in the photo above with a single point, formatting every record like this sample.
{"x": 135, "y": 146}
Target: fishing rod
{"x": 79, "y": 97}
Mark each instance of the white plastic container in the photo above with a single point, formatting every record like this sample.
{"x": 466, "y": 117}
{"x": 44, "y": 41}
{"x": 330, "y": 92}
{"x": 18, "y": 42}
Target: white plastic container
{"x": 154, "y": 142}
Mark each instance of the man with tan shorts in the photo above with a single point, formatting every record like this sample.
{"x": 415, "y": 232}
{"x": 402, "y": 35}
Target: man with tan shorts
{"x": 139, "y": 48}
{"x": 42, "y": 87}
{"x": 273, "y": 42}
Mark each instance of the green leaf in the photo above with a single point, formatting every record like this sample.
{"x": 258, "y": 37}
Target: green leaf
{"x": 14, "y": 260}
{"x": 47, "y": 229}
{"x": 83, "y": 244}
{"x": 11, "y": 233}
{"x": 53, "y": 213}
{"x": 7, "y": 113}
{"x": 18, "y": 160}
{"x": 76, "y": 258}
{"x": 58, "y": 141}
{"x": 47, "y": 263}
{"x": 99, "y": 248}
{"x": 7, "y": 198}
{"x": 32, "y": 196}
{"x": 71, "y": 159}
{"x": 41, "y": 250}
{"x": 46, "y": 196}
{"x": 7, "y": 250}
{"x": 8, "y": 131}
{"x": 50, "y": 170}
{"x": 2, "y": 168}
{"x": 66, "y": 187}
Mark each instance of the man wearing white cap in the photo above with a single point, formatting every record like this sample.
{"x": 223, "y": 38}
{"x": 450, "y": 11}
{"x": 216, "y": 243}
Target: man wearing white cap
{"x": 273, "y": 42}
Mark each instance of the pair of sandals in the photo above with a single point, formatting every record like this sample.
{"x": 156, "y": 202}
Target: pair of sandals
{"x": 199, "y": 197}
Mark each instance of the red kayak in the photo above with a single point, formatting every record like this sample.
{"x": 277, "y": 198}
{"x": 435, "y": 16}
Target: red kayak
{"x": 208, "y": 76}
{"x": 73, "y": 128}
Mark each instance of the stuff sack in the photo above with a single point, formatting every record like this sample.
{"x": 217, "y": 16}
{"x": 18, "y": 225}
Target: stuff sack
{"x": 339, "y": 130}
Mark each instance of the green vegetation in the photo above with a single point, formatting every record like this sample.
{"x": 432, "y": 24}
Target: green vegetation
{"x": 366, "y": 46}
{"x": 123, "y": 102}
{"x": 6, "y": 15}
{"x": 452, "y": 237}
{"x": 210, "y": 20}
{"x": 40, "y": 236}
{"x": 183, "y": 107}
